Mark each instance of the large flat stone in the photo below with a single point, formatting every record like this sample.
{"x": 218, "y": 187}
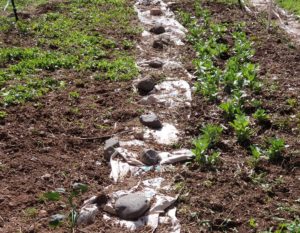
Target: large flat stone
{"x": 132, "y": 206}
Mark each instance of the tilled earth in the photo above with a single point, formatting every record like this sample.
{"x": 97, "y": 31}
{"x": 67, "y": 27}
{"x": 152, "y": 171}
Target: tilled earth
{"x": 56, "y": 142}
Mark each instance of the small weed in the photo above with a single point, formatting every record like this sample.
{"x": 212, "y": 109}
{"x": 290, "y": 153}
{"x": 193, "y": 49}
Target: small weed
{"x": 292, "y": 103}
{"x": 74, "y": 95}
{"x": 252, "y": 223}
{"x": 255, "y": 155}
{"x": 31, "y": 212}
{"x": 275, "y": 149}
{"x": 241, "y": 127}
{"x": 3, "y": 115}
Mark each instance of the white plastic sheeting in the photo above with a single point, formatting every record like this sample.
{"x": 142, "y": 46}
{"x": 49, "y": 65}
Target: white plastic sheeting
{"x": 170, "y": 94}
{"x": 126, "y": 163}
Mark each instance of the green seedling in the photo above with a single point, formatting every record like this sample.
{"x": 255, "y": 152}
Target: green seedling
{"x": 212, "y": 133}
{"x": 261, "y": 116}
{"x": 200, "y": 147}
{"x": 230, "y": 109}
{"x": 50, "y": 196}
{"x": 256, "y": 103}
{"x": 256, "y": 154}
{"x": 241, "y": 127}
{"x": 275, "y": 149}
{"x": 200, "y": 151}
{"x": 292, "y": 102}
{"x": 252, "y": 223}
{"x": 74, "y": 95}
{"x": 77, "y": 190}
{"x": 31, "y": 212}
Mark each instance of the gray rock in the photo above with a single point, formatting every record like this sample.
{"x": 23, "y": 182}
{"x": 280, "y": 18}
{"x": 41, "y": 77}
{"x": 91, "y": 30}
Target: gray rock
{"x": 149, "y": 157}
{"x": 60, "y": 190}
{"x": 155, "y": 64}
{"x": 158, "y": 44}
{"x": 155, "y": 11}
{"x": 157, "y": 29}
{"x": 109, "y": 147}
{"x": 146, "y": 84}
{"x": 151, "y": 120}
{"x": 56, "y": 219}
{"x": 132, "y": 206}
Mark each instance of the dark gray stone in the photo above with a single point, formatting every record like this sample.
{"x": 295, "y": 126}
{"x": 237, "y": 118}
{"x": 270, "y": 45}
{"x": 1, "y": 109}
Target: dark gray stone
{"x": 151, "y": 120}
{"x": 149, "y": 157}
{"x": 158, "y": 29}
{"x": 109, "y": 147}
{"x": 155, "y": 64}
{"x": 132, "y": 206}
{"x": 146, "y": 84}
{"x": 158, "y": 44}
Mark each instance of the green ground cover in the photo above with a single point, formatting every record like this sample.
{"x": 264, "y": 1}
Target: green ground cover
{"x": 290, "y": 5}
{"x": 93, "y": 36}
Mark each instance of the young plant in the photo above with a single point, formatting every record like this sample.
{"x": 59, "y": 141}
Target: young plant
{"x": 261, "y": 116}
{"x": 256, "y": 155}
{"x": 241, "y": 127}
{"x": 230, "y": 109}
{"x": 200, "y": 147}
{"x": 211, "y": 136}
{"x": 200, "y": 151}
{"x": 212, "y": 133}
{"x": 276, "y": 147}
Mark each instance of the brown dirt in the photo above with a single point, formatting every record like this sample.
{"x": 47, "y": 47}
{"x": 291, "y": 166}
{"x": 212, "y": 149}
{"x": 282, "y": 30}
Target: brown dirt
{"x": 46, "y": 137}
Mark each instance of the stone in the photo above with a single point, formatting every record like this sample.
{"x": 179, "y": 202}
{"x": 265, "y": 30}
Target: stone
{"x": 146, "y": 84}
{"x": 155, "y": 11}
{"x": 109, "y": 147}
{"x": 157, "y": 29}
{"x": 56, "y": 219}
{"x": 158, "y": 44}
{"x": 60, "y": 190}
{"x": 155, "y": 64}
{"x": 43, "y": 213}
{"x": 132, "y": 206}
{"x": 151, "y": 120}
{"x": 149, "y": 157}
